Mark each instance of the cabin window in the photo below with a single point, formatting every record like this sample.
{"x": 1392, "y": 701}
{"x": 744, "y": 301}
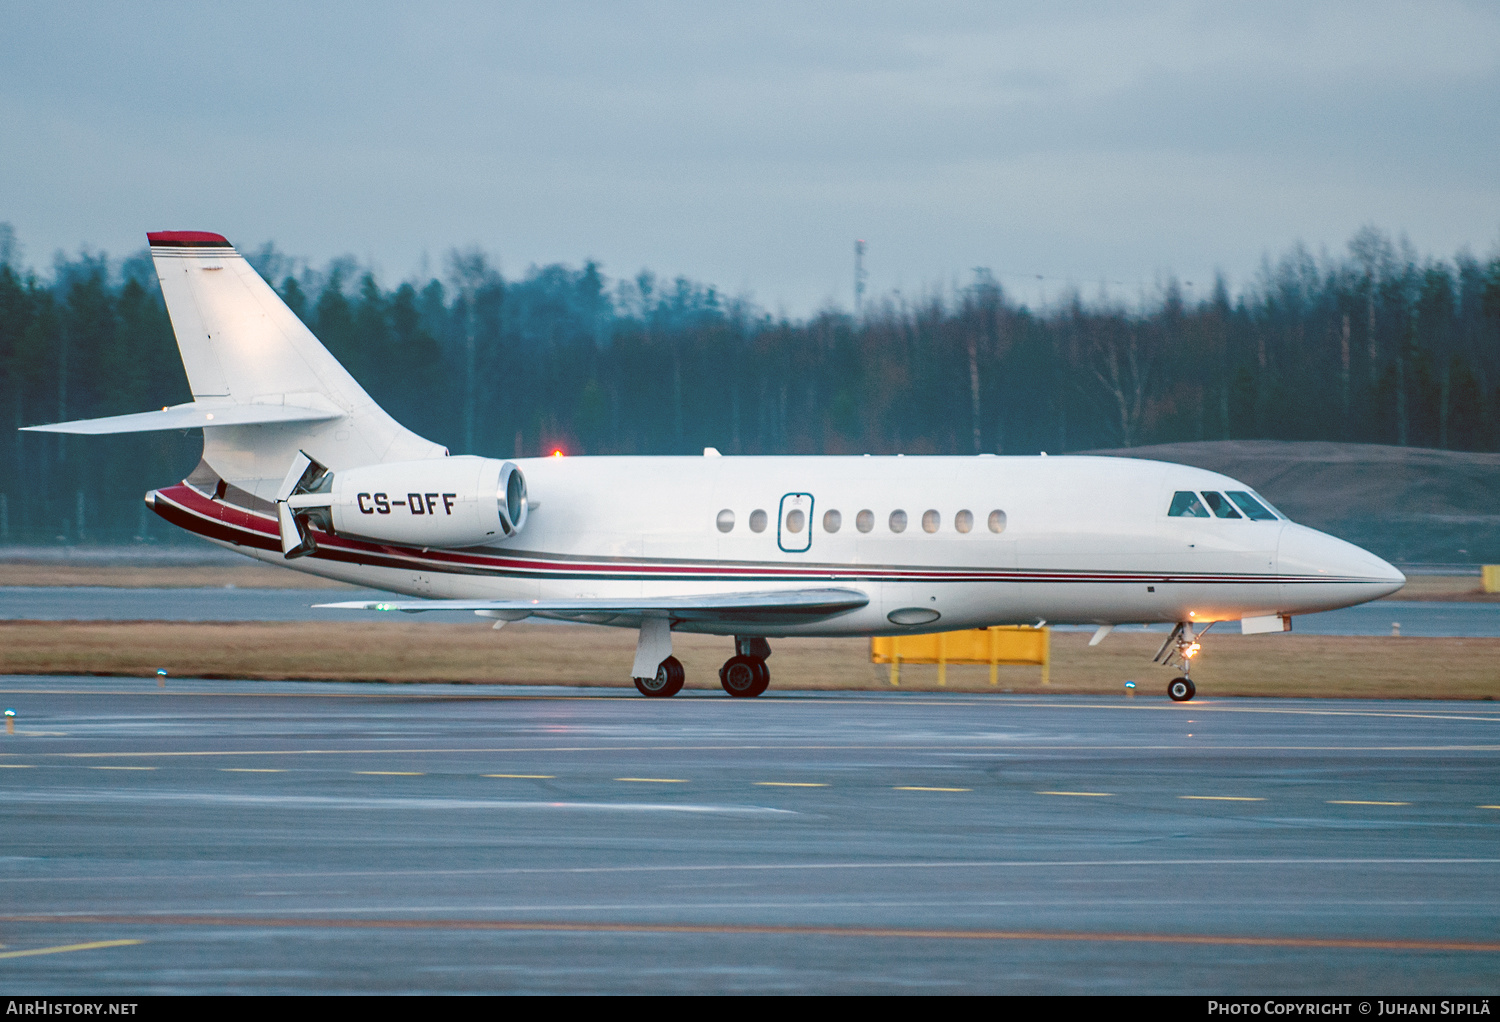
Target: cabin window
{"x": 832, "y": 520}
{"x": 1219, "y": 505}
{"x": 757, "y": 520}
{"x": 997, "y": 521}
{"x": 795, "y": 519}
{"x": 1185, "y": 504}
{"x": 898, "y": 521}
{"x": 1254, "y": 509}
{"x": 963, "y": 521}
{"x": 931, "y": 520}
{"x": 725, "y": 520}
{"x": 864, "y": 521}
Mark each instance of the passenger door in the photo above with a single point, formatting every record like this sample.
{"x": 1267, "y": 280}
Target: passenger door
{"x": 794, "y": 527}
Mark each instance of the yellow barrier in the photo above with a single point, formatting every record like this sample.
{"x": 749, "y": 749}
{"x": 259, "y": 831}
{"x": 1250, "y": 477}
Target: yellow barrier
{"x": 1002, "y": 644}
{"x": 1491, "y": 578}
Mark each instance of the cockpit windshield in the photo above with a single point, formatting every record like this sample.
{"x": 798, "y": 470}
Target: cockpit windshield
{"x": 1252, "y": 507}
{"x": 1220, "y": 507}
{"x": 1185, "y": 504}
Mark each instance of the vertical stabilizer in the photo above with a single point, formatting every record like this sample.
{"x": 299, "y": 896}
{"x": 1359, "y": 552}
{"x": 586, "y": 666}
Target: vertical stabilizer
{"x": 242, "y": 345}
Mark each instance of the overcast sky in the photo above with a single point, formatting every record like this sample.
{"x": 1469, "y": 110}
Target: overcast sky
{"x": 748, "y": 145}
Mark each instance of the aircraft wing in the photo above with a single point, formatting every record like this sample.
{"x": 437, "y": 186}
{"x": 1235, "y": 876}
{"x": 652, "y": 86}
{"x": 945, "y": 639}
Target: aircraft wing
{"x": 781, "y": 606}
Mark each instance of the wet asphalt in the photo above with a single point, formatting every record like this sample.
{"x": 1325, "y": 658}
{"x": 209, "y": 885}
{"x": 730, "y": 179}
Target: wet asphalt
{"x": 213, "y": 837}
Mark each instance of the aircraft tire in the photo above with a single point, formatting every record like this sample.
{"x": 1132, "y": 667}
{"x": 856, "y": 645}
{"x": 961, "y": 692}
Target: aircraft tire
{"x": 667, "y": 683}
{"x": 763, "y": 677}
{"x": 744, "y": 677}
{"x": 1180, "y": 690}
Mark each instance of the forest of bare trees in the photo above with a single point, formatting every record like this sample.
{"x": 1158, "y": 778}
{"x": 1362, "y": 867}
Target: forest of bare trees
{"x": 1377, "y": 345}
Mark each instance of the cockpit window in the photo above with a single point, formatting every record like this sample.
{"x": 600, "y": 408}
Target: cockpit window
{"x": 1219, "y": 506}
{"x": 1185, "y": 504}
{"x": 1252, "y": 507}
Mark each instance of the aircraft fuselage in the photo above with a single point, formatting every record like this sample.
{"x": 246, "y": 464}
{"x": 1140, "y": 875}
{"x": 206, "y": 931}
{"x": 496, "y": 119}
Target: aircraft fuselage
{"x": 1076, "y": 540}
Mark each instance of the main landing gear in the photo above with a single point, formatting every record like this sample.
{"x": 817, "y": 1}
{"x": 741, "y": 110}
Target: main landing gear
{"x": 668, "y": 680}
{"x": 659, "y": 675}
{"x": 1178, "y": 651}
{"x": 745, "y": 675}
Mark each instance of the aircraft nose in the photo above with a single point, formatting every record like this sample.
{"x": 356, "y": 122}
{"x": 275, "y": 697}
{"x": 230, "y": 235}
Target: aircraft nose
{"x": 1321, "y": 572}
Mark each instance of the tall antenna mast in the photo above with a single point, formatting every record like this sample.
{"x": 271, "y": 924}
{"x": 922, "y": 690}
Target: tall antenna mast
{"x": 859, "y": 276}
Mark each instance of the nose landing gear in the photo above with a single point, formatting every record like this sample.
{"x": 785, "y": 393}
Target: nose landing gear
{"x": 1178, "y": 651}
{"x": 745, "y": 675}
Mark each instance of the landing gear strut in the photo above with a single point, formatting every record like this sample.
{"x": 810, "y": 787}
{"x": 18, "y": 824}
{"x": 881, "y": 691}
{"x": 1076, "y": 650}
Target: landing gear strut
{"x": 745, "y": 675}
{"x": 1178, "y": 651}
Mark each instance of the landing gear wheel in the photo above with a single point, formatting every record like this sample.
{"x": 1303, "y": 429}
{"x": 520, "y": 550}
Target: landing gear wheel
{"x": 1181, "y": 690}
{"x": 668, "y": 680}
{"x": 745, "y": 677}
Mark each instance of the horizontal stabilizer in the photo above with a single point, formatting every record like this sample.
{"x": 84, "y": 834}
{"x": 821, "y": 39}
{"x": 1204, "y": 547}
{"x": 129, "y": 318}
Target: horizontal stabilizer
{"x": 189, "y": 416}
{"x": 793, "y": 604}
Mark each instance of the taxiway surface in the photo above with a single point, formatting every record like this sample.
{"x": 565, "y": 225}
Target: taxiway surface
{"x": 276, "y": 837}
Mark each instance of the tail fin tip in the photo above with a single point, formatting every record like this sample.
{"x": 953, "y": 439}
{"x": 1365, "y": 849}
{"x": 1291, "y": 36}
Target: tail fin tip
{"x": 186, "y": 239}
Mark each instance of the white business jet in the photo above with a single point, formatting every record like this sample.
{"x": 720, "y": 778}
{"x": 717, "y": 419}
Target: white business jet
{"x": 301, "y": 468}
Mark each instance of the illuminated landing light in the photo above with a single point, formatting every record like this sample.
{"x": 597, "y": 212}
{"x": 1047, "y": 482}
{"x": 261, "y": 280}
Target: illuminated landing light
{"x": 557, "y": 452}
{"x": 1192, "y": 651}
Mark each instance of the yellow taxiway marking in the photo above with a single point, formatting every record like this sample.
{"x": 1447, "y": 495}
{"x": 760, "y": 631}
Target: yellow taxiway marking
{"x": 526, "y": 777}
{"x": 16, "y": 766}
{"x": 912, "y": 787}
{"x": 654, "y": 780}
{"x": 251, "y": 770}
{"x": 1081, "y": 794}
{"x": 790, "y": 784}
{"x": 1487, "y": 807}
{"x": 390, "y": 773}
{"x": 1221, "y": 798}
{"x": 121, "y": 768}
{"x": 59, "y": 949}
{"x": 1355, "y": 802}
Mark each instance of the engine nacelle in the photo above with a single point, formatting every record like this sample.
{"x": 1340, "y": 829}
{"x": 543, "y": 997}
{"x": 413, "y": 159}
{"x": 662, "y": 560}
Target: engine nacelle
{"x": 443, "y": 502}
